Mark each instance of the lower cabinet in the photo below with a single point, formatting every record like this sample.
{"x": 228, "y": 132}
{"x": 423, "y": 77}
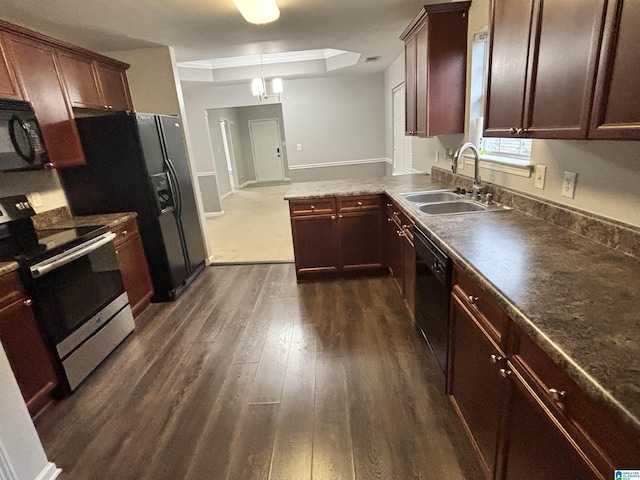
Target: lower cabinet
{"x": 24, "y": 346}
{"x": 400, "y": 254}
{"x": 133, "y": 266}
{"x": 524, "y": 416}
{"x": 337, "y": 236}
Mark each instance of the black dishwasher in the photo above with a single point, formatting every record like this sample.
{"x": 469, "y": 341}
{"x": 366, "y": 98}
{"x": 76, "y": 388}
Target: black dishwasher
{"x": 433, "y": 288}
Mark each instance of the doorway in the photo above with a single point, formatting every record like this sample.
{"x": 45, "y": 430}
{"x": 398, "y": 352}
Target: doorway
{"x": 267, "y": 149}
{"x": 227, "y": 144}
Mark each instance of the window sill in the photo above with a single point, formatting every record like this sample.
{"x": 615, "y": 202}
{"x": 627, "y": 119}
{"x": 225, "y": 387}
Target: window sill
{"x": 512, "y": 166}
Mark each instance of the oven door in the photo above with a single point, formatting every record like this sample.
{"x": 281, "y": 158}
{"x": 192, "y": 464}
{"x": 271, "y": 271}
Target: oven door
{"x": 72, "y": 287}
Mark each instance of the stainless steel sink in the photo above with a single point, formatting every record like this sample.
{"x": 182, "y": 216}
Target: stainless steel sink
{"x": 431, "y": 197}
{"x": 459, "y": 206}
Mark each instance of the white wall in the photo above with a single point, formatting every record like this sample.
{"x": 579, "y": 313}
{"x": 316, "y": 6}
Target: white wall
{"x": 608, "y": 172}
{"x": 46, "y": 183}
{"x": 334, "y": 118}
{"x": 21, "y": 454}
{"x": 151, "y": 80}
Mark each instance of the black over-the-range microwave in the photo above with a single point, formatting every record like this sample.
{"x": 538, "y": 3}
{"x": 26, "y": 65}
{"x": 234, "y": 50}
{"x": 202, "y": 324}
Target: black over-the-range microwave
{"x": 21, "y": 143}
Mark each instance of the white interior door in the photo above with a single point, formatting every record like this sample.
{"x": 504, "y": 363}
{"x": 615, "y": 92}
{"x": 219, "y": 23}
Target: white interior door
{"x": 267, "y": 149}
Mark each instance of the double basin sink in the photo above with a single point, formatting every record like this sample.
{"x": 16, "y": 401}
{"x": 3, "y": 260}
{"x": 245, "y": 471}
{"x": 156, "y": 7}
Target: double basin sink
{"x": 448, "y": 202}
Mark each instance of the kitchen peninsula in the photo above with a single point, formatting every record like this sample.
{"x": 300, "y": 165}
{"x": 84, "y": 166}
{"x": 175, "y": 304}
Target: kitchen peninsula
{"x": 571, "y": 297}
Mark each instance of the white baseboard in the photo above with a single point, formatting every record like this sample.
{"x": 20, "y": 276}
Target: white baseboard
{"x": 214, "y": 214}
{"x": 50, "y": 472}
{"x": 248, "y": 182}
{"x": 339, "y": 164}
{"x": 210, "y": 260}
{"x": 226, "y": 195}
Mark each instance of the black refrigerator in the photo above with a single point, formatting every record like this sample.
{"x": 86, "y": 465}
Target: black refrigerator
{"x": 138, "y": 162}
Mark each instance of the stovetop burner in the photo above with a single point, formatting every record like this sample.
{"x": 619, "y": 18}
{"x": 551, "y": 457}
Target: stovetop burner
{"x": 19, "y": 241}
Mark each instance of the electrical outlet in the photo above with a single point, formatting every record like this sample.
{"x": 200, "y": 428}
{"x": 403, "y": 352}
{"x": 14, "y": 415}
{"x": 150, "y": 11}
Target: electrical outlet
{"x": 540, "y": 175}
{"x": 36, "y": 200}
{"x": 569, "y": 184}
{"x": 299, "y": 146}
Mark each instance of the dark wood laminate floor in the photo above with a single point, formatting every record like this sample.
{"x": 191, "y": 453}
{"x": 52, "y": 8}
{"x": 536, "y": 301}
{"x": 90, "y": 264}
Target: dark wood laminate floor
{"x": 251, "y": 376}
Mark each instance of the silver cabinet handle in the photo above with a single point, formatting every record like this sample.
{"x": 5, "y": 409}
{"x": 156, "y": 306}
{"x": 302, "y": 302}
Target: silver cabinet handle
{"x": 495, "y": 358}
{"x": 473, "y": 300}
{"x": 28, "y": 302}
{"x": 557, "y": 395}
{"x": 504, "y": 373}
{"x": 513, "y": 130}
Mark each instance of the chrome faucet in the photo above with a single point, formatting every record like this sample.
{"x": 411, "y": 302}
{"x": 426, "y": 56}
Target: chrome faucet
{"x": 477, "y": 186}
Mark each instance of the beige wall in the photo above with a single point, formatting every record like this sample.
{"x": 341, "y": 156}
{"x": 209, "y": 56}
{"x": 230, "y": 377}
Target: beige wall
{"x": 151, "y": 80}
{"x": 608, "y": 172}
{"x": 46, "y": 183}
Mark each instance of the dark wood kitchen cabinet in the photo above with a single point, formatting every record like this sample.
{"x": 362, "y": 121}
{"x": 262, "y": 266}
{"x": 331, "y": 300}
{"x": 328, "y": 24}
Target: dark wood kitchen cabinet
{"x": 37, "y": 73}
{"x": 525, "y": 417}
{"x": 24, "y": 346}
{"x": 400, "y": 252}
{"x": 337, "y": 236}
{"x": 94, "y": 85}
{"x": 475, "y": 382}
{"x": 435, "y": 70}
{"x": 8, "y": 84}
{"x": 536, "y": 86}
{"x": 133, "y": 266}
{"x": 615, "y": 111}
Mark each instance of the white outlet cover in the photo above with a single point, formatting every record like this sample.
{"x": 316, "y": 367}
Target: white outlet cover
{"x": 540, "y": 175}
{"x": 569, "y": 184}
{"x": 36, "y": 200}
{"x": 299, "y": 146}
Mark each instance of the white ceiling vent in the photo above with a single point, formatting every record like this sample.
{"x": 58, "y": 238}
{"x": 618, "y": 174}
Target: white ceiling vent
{"x": 371, "y": 59}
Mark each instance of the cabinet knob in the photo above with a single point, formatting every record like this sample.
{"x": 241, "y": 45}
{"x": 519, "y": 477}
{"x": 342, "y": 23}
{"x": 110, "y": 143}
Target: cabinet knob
{"x": 339, "y": 216}
{"x": 333, "y": 217}
{"x": 495, "y": 358}
{"x": 520, "y": 132}
{"x": 48, "y": 165}
{"x": 359, "y": 204}
{"x": 405, "y": 227}
{"x": 513, "y": 130}
{"x": 504, "y": 373}
{"x": 389, "y": 219}
{"x": 400, "y": 233}
{"x": 472, "y": 299}
{"x": 27, "y": 302}
{"x": 557, "y": 395}
{"x": 124, "y": 232}
{"x": 389, "y": 204}
{"x": 313, "y": 207}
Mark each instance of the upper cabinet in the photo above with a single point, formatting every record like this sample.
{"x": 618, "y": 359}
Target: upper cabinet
{"x": 91, "y": 84}
{"x": 615, "y": 110}
{"x": 37, "y": 73}
{"x": 8, "y": 85}
{"x": 563, "y": 70}
{"x": 436, "y": 63}
{"x": 56, "y": 77}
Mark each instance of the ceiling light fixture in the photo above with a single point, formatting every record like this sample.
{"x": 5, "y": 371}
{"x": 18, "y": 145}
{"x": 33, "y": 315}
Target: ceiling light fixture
{"x": 259, "y": 86}
{"x": 258, "y": 11}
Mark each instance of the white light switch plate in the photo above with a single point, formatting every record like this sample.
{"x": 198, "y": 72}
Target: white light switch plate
{"x": 299, "y": 146}
{"x": 540, "y": 175}
{"x": 36, "y": 200}
{"x": 569, "y": 184}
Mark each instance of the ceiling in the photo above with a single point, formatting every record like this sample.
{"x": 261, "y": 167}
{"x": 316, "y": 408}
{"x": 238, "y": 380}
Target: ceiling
{"x": 207, "y": 29}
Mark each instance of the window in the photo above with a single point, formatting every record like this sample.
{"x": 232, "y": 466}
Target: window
{"x": 402, "y": 146}
{"x": 510, "y": 151}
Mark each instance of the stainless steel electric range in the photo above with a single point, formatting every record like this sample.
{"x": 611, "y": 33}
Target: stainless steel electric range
{"x": 72, "y": 277}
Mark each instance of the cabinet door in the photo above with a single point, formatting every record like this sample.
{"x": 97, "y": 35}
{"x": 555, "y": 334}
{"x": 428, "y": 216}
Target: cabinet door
{"x": 476, "y": 385}
{"x": 114, "y": 87}
{"x": 394, "y": 250}
{"x": 135, "y": 273}
{"x": 409, "y": 273}
{"x": 8, "y": 85}
{"x": 27, "y": 354}
{"x": 615, "y": 111}
{"x": 37, "y": 73}
{"x": 410, "y": 84}
{"x": 560, "y": 88}
{"x": 315, "y": 244}
{"x": 536, "y": 446}
{"x": 508, "y": 53}
{"x": 421, "y": 106}
{"x": 80, "y": 80}
{"x": 360, "y": 239}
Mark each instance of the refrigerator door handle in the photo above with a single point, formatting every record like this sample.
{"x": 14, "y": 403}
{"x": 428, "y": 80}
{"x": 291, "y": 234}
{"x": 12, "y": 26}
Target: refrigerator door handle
{"x": 175, "y": 186}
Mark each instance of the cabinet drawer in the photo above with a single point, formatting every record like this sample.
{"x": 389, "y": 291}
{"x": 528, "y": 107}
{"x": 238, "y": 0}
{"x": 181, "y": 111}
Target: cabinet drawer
{"x": 314, "y": 206}
{"x": 601, "y": 434}
{"x": 479, "y": 302}
{"x": 359, "y": 204}
{"x": 124, "y": 231}
{"x": 11, "y": 288}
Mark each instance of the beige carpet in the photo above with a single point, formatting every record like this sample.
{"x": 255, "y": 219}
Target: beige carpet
{"x": 254, "y": 228}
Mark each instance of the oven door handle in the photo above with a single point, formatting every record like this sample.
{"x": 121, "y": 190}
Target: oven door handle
{"x": 69, "y": 256}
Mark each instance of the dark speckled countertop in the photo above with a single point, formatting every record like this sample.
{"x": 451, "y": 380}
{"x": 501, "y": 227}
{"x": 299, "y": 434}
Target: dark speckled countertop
{"x": 578, "y": 299}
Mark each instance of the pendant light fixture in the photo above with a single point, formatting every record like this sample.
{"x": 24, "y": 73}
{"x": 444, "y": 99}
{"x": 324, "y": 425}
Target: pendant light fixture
{"x": 258, "y": 11}
{"x": 259, "y": 86}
